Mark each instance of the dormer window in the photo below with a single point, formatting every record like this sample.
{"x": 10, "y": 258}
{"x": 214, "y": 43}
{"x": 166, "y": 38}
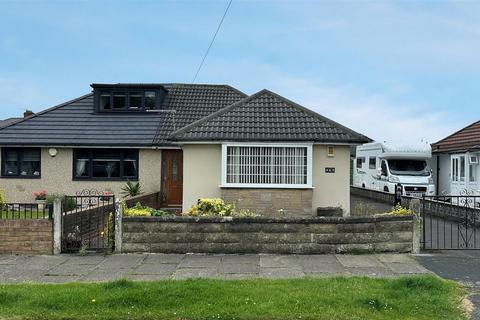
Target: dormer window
{"x": 111, "y": 98}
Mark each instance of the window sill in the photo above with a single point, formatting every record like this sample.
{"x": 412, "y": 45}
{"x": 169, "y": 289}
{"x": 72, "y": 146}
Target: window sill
{"x": 264, "y": 186}
{"x": 106, "y": 179}
{"x": 21, "y": 177}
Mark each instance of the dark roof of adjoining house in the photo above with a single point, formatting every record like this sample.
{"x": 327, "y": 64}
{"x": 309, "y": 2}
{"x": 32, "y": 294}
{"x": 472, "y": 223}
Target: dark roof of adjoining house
{"x": 9, "y": 121}
{"x": 466, "y": 139}
{"x": 75, "y": 123}
{"x": 267, "y": 116}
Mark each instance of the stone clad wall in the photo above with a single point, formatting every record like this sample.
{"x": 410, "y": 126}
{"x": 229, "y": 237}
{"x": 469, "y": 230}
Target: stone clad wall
{"x": 268, "y": 202}
{"x": 27, "y": 236}
{"x": 263, "y": 235}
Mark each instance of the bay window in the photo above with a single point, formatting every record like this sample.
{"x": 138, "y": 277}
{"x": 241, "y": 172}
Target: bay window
{"x": 267, "y": 166}
{"x": 105, "y": 164}
{"x": 21, "y": 162}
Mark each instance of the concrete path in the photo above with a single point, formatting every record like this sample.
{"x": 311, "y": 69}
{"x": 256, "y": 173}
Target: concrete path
{"x": 68, "y": 268}
{"x": 462, "y": 266}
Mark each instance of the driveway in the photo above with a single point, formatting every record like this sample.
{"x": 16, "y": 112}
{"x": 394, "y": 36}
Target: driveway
{"x": 461, "y": 265}
{"x": 70, "y": 268}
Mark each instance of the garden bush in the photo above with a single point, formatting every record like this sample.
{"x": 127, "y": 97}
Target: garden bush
{"x": 398, "y": 210}
{"x": 217, "y": 208}
{"x": 143, "y": 211}
{"x": 68, "y": 203}
{"x": 3, "y": 200}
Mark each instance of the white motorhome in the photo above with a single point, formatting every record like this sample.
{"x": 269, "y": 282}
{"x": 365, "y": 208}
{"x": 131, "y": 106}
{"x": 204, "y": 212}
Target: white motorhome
{"x": 381, "y": 166}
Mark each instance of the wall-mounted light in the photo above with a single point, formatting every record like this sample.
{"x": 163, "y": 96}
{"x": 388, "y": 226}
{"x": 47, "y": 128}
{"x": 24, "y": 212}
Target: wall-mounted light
{"x": 52, "y": 152}
{"x": 330, "y": 151}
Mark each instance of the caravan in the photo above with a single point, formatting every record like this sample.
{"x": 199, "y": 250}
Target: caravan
{"x": 381, "y": 167}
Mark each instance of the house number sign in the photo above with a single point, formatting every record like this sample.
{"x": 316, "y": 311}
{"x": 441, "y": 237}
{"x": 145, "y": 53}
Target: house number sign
{"x": 329, "y": 170}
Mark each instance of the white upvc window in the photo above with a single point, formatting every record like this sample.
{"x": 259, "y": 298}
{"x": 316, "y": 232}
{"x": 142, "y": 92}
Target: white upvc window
{"x": 267, "y": 165}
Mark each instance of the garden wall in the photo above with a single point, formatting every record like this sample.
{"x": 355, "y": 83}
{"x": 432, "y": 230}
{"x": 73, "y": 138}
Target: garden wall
{"x": 264, "y": 235}
{"x": 442, "y": 209}
{"x": 28, "y": 236}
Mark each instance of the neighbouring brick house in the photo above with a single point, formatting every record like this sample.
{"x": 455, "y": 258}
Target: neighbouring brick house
{"x": 262, "y": 152}
{"x": 456, "y": 162}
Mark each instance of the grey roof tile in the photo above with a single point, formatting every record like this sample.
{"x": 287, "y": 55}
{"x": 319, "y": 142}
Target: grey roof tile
{"x": 9, "y": 121}
{"x": 266, "y": 116}
{"x": 74, "y": 123}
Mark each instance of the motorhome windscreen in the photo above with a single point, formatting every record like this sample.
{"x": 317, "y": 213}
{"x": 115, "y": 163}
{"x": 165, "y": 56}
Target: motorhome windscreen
{"x": 408, "y": 167}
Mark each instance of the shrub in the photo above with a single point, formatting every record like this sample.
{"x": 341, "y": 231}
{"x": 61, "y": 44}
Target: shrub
{"x": 217, "y": 207}
{"x": 3, "y": 200}
{"x": 398, "y": 210}
{"x": 142, "y": 211}
{"x": 131, "y": 189}
{"x": 211, "y": 207}
{"x": 68, "y": 203}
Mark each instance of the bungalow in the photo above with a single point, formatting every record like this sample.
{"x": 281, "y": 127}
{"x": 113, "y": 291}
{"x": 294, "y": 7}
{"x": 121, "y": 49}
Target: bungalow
{"x": 456, "y": 160}
{"x": 187, "y": 141}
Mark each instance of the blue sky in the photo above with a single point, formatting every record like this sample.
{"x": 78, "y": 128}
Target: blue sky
{"x": 396, "y": 71}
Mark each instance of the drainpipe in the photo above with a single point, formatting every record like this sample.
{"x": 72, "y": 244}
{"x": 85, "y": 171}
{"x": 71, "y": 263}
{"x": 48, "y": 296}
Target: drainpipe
{"x": 437, "y": 187}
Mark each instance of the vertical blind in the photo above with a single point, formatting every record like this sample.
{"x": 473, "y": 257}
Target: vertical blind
{"x": 266, "y": 165}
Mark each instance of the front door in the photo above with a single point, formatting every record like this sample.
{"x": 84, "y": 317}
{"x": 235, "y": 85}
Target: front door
{"x": 458, "y": 174}
{"x": 172, "y": 177}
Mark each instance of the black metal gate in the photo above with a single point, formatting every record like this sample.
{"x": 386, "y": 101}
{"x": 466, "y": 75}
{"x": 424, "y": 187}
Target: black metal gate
{"x": 451, "y": 222}
{"x": 88, "y": 222}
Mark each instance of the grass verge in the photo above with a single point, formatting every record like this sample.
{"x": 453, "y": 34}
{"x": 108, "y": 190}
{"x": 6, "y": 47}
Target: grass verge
{"x": 421, "y": 297}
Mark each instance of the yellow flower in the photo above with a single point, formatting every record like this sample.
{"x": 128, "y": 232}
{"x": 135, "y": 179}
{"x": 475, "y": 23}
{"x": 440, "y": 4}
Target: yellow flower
{"x": 93, "y": 300}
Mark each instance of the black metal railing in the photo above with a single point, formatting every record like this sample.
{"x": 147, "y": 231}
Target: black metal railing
{"x": 16, "y": 211}
{"x": 451, "y": 222}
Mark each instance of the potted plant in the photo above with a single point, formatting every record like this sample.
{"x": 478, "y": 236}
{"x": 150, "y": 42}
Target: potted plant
{"x": 40, "y": 199}
{"x": 131, "y": 189}
{"x": 107, "y": 195}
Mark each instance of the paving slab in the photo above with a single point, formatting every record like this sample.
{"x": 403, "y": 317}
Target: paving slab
{"x": 164, "y": 258}
{"x": 239, "y": 268}
{"x": 58, "y": 279}
{"x": 241, "y": 259}
{"x": 121, "y": 261}
{"x": 407, "y": 268}
{"x": 280, "y": 261}
{"x": 149, "y": 277}
{"x": 322, "y": 264}
{"x": 70, "y": 270}
{"x": 200, "y": 261}
{"x": 106, "y": 275}
{"x": 150, "y": 268}
{"x": 358, "y": 261}
{"x": 395, "y": 258}
{"x": 374, "y": 272}
{"x": 85, "y": 260}
{"x": 189, "y": 273}
{"x": 281, "y": 273}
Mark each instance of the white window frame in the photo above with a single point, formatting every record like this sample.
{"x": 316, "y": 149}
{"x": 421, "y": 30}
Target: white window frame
{"x": 308, "y": 185}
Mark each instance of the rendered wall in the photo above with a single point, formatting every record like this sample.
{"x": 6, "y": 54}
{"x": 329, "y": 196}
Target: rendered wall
{"x": 202, "y": 179}
{"x": 56, "y": 177}
{"x": 201, "y": 173}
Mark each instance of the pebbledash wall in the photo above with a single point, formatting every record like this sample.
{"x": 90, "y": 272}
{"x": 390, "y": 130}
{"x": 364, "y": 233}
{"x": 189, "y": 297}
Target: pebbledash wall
{"x": 26, "y": 236}
{"x": 56, "y": 177}
{"x": 202, "y": 179}
{"x": 265, "y": 235}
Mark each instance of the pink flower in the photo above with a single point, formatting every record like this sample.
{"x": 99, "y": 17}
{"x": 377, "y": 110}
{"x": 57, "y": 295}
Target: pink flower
{"x": 40, "y": 195}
